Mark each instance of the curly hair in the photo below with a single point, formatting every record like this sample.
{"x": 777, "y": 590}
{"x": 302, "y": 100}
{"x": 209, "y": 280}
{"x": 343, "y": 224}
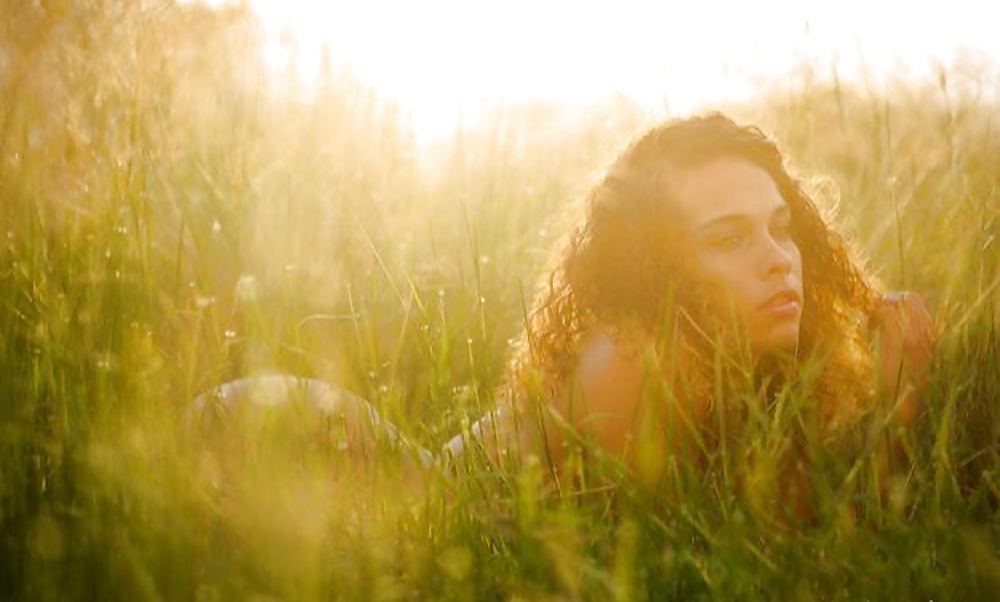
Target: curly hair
{"x": 620, "y": 267}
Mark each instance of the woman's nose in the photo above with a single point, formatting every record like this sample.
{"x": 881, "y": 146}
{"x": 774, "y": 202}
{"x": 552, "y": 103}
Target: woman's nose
{"x": 777, "y": 258}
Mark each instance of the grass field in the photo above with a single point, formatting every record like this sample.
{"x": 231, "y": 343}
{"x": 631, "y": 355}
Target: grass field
{"x": 173, "y": 216}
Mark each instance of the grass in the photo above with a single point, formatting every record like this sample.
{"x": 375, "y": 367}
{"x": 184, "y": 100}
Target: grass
{"x": 171, "y": 218}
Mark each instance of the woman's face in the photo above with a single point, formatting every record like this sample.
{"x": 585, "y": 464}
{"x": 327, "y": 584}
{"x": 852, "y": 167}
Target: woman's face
{"x": 739, "y": 228}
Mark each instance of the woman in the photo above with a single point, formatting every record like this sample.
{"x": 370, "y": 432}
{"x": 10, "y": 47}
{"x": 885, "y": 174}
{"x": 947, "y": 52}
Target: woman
{"x": 700, "y": 274}
{"x": 699, "y": 278}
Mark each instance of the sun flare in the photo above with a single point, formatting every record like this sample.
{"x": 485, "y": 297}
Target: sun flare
{"x": 441, "y": 58}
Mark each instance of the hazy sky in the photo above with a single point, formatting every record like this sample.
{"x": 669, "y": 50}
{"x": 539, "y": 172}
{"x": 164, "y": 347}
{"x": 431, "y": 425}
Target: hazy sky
{"x": 437, "y": 56}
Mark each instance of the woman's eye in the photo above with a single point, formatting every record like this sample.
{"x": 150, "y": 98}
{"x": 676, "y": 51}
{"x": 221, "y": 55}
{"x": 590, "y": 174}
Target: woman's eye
{"x": 729, "y": 242}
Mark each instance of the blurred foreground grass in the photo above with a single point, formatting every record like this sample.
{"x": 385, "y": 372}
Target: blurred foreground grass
{"x": 174, "y": 216}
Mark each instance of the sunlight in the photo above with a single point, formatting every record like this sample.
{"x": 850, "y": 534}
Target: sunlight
{"x": 243, "y": 306}
{"x": 441, "y": 58}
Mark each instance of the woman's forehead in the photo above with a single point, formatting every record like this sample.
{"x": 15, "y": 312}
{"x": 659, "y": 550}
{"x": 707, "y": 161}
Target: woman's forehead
{"x": 726, "y": 188}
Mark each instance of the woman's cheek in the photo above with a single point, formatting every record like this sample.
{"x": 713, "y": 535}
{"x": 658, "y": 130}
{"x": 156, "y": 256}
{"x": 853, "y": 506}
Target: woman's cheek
{"x": 725, "y": 275}
{"x": 713, "y": 269}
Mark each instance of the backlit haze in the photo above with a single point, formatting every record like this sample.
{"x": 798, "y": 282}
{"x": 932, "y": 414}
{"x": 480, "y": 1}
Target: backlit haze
{"x": 441, "y": 59}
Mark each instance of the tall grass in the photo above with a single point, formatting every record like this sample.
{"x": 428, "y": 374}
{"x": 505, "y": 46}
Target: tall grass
{"x": 173, "y": 216}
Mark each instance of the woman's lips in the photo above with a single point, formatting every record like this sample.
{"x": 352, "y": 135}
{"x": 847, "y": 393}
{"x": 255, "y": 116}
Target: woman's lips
{"x": 782, "y": 305}
{"x": 785, "y": 310}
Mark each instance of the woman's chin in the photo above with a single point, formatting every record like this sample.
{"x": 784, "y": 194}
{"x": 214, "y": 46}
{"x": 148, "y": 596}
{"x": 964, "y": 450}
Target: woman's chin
{"x": 777, "y": 341}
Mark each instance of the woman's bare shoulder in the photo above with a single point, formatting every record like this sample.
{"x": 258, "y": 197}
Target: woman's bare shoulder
{"x": 614, "y": 370}
{"x": 607, "y": 381}
{"x": 610, "y": 356}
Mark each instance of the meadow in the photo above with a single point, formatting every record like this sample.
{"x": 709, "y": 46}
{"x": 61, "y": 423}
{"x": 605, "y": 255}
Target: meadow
{"x": 174, "y": 215}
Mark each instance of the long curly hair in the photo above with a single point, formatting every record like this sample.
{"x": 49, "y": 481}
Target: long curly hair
{"x": 620, "y": 267}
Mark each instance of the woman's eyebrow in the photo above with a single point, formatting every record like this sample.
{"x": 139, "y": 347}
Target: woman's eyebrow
{"x": 723, "y": 220}
{"x": 780, "y": 212}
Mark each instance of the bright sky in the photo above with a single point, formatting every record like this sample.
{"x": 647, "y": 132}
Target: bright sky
{"x": 440, "y": 58}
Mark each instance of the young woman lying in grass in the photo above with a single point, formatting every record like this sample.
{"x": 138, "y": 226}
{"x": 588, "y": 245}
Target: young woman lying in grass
{"x": 701, "y": 292}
